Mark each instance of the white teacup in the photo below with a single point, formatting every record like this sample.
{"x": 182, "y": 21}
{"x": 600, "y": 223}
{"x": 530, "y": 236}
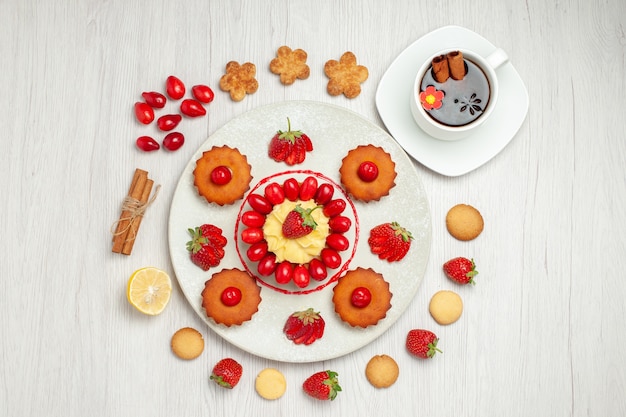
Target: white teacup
{"x": 466, "y": 103}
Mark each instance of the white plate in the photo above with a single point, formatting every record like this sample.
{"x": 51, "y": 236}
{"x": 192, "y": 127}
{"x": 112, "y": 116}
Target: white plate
{"x": 334, "y": 131}
{"x": 445, "y": 157}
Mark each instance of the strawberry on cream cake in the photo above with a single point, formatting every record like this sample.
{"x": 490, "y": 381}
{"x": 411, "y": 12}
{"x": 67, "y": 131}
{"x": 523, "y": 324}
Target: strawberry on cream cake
{"x": 293, "y": 247}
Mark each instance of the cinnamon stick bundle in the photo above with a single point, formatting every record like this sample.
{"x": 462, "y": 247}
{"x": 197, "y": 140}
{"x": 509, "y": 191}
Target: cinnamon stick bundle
{"x": 133, "y": 209}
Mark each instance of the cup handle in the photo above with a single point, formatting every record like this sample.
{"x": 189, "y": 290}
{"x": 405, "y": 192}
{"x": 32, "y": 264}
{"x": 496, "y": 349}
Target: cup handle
{"x": 497, "y": 58}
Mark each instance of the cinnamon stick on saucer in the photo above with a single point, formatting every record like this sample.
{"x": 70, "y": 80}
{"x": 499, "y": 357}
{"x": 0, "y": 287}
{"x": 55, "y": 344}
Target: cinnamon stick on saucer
{"x": 440, "y": 69}
{"x": 132, "y": 212}
{"x": 456, "y": 65}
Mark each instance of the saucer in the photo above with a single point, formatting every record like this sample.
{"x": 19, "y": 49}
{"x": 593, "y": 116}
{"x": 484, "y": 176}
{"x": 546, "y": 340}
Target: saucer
{"x": 445, "y": 157}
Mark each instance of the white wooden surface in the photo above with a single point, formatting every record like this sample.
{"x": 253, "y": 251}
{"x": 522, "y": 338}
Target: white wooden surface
{"x": 543, "y": 330}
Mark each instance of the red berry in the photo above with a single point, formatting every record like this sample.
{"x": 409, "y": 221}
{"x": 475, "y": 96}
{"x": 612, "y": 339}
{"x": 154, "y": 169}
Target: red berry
{"x": 257, "y": 251}
{"x": 334, "y": 207}
{"x": 337, "y": 242}
{"x": 203, "y": 93}
{"x": 226, "y": 373}
{"x": 260, "y": 203}
{"x": 253, "y": 218}
{"x": 231, "y": 296}
{"x": 192, "y": 108}
{"x": 301, "y": 276}
{"x": 390, "y": 241}
{"x": 308, "y": 188}
{"x": 173, "y": 141}
{"x": 154, "y": 99}
{"x": 324, "y": 193}
{"x": 274, "y": 193}
{"x": 168, "y": 122}
{"x": 147, "y": 144}
{"x": 221, "y": 175}
{"x": 284, "y": 272}
{"x": 174, "y": 87}
{"x": 317, "y": 270}
{"x": 290, "y": 146}
{"x": 206, "y": 247}
{"x": 322, "y": 385}
{"x": 304, "y": 327}
{"x": 461, "y": 270}
{"x": 291, "y": 188}
{"x": 267, "y": 265}
{"x": 422, "y": 343}
{"x": 144, "y": 113}
{"x": 368, "y": 171}
{"x": 361, "y": 297}
{"x": 340, "y": 224}
{"x": 252, "y": 235}
{"x": 331, "y": 258}
{"x": 299, "y": 222}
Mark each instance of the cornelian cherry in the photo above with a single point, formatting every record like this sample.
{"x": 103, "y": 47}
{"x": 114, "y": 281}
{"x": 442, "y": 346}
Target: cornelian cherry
{"x": 144, "y": 113}
{"x": 192, "y": 108}
{"x": 361, "y": 297}
{"x": 168, "y": 122}
{"x": 173, "y": 141}
{"x": 154, "y": 99}
{"x": 231, "y": 296}
{"x": 147, "y": 144}
{"x": 203, "y": 93}
{"x": 174, "y": 87}
{"x": 368, "y": 171}
{"x": 221, "y": 175}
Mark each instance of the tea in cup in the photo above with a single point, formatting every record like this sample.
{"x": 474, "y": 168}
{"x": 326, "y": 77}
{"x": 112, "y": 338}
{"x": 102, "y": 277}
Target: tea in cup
{"x": 455, "y": 91}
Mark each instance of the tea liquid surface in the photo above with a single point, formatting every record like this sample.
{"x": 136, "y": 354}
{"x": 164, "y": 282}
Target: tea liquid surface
{"x": 464, "y": 100}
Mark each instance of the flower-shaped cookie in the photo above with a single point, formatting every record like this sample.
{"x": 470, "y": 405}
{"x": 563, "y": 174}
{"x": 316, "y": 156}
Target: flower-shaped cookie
{"x": 239, "y": 80}
{"x": 345, "y": 76}
{"x": 290, "y": 65}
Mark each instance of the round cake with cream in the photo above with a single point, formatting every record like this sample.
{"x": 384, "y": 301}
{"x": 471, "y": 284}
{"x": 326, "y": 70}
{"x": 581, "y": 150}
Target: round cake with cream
{"x": 297, "y": 231}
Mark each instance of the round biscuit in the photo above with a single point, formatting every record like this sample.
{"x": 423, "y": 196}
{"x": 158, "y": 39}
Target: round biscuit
{"x": 464, "y": 222}
{"x": 446, "y": 307}
{"x": 382, "y": 371}
{"x": 270, "y": 384}
{"x": 187, "y": 343}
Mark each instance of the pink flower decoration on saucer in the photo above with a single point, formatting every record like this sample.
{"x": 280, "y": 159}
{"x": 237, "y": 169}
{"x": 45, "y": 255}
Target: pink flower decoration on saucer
{"x": 431, "y": 98}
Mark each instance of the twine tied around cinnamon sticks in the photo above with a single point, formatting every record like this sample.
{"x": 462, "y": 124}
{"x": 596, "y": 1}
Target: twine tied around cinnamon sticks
{"x": 134, "y": 206}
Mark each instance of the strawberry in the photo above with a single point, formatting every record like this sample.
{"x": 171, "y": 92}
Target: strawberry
{"x": 290, "y": 146}
{"x": 304, "y": 327}
{"x": 226, "y": 373}
{"x": 299, "y": 222}
{"x": 206, "y": 247}
{"x": 322, "y": 385}
{"x": 390, "y": 241}
{"x": 461, "y": 270}
{"x": 422, "y": 343}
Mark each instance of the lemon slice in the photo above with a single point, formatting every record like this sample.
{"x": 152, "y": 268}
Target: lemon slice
{"x": 149, "y": 290}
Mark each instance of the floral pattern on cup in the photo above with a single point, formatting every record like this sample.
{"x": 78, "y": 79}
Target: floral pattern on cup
{"x": 431, "y": 98}
{"x": 471, "y": 105}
